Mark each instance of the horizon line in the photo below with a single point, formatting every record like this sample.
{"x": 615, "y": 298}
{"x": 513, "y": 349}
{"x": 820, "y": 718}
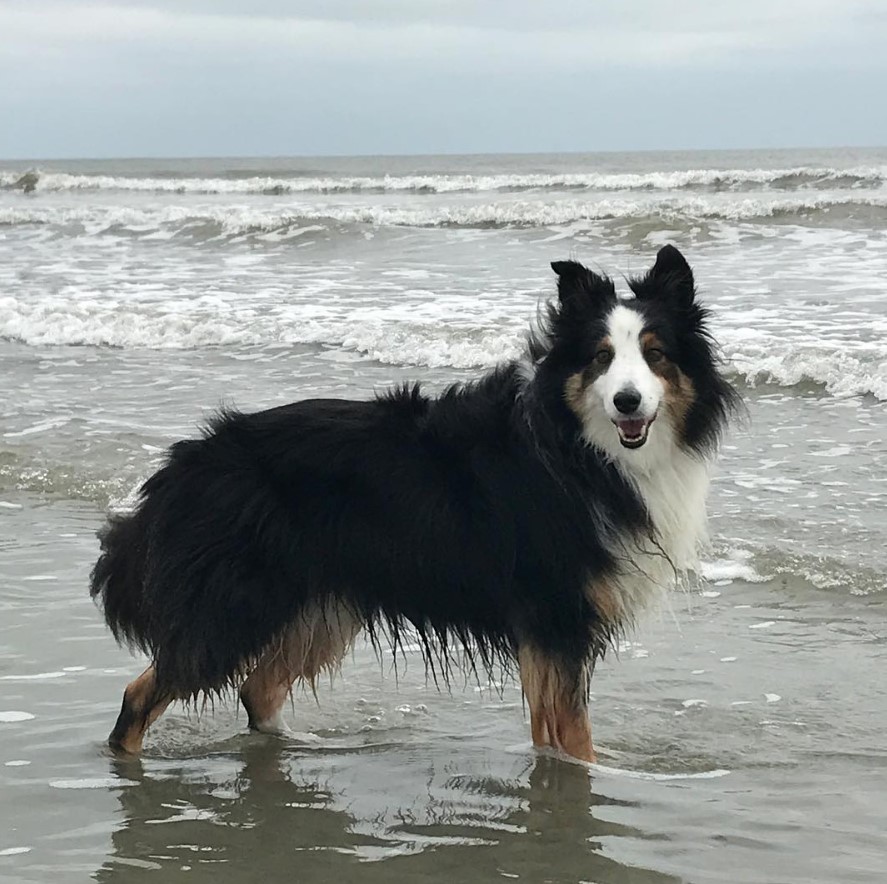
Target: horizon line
{"x": 408, "y": 155}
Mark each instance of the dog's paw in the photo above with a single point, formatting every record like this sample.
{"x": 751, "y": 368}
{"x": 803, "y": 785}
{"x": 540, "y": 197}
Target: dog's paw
{"x": 275, "y": 726}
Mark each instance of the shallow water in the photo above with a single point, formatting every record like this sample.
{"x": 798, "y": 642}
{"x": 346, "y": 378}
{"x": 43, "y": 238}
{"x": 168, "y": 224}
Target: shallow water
{"x": 740, "y": 730}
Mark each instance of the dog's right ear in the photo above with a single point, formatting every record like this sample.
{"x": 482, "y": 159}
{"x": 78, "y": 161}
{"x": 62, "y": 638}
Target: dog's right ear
{"x": 578, "y": 286}
{"x": 670, "y": 280}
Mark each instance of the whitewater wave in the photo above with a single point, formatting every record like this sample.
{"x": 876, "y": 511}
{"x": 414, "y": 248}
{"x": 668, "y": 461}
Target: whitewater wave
{"x": 761, "y": 563}
{"x": 830, "y": 366}
{"x": 212, "y": 323}
{"x": 209, "y": 221}
{"x": 404, "y": 337}
{"x": 786, "y": 179}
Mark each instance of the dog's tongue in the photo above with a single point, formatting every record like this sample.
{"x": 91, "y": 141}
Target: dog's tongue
{"x": 632, "y": 428}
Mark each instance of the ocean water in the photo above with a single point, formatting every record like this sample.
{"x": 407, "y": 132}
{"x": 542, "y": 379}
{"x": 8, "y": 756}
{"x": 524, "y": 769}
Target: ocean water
{"x": 740, "y": 728}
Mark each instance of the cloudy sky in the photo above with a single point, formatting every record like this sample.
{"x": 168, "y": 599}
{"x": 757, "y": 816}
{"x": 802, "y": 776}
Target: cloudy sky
{"x": 280, "y": 77}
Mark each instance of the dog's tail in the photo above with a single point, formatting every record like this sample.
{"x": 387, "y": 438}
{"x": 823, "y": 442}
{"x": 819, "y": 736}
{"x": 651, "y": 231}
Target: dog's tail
{"x": 116, "y": 581}
{"x": 189, "y": 577}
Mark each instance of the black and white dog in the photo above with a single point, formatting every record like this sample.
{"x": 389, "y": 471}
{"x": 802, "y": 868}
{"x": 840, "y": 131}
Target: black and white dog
{"x": 524, "y": 518}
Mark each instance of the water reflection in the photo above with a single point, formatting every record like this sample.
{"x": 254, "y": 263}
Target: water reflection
{"x": 373, "y": 815}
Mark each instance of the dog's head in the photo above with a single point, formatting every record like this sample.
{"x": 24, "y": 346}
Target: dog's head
{"x": 638, "y": 373}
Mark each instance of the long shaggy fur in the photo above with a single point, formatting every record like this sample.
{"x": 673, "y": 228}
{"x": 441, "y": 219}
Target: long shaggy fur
{"x": 479, "y": 519}
{"x": 437, "y": 514}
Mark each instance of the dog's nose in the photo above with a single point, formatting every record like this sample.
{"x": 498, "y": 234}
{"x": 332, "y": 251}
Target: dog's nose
{"x": 627, "y": 401}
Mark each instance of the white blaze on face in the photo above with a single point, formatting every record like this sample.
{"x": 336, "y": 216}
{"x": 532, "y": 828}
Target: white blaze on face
{"x": 628, "y": 394}
{"x": 629, "y": 370}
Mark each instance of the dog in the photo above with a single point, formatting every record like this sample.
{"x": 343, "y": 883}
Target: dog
{"x": 523, "y": 520}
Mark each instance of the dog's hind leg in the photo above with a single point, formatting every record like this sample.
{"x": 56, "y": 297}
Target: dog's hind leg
{"x": 265, "y": 690}
{"x": 142, "y": 705}
{"x": 318, "y": 640}
{"x": 557, "y": 694}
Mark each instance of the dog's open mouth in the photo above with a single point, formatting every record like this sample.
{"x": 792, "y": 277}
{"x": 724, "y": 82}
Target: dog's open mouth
{"x": 633, "y": 431}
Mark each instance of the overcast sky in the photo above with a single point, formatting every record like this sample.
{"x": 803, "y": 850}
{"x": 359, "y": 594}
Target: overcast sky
{"x": 280, "y": 77}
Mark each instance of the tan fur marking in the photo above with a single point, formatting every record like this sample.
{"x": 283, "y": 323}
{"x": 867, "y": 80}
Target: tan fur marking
{"x": 576, "y": 384}
{"x": 315, "y": 643}
{"x": 664, "y": 368}
{"x": 606, "y": 602}
{"x": 135, "y": 716}
{"x": 574, "y": 392}
{"x": 679, "y": 392}
{"x": 558, "y": 705}
{"x": 266, "y": 688}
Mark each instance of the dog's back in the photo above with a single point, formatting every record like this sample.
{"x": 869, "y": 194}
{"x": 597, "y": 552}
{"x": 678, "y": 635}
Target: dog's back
{"x": 401, "y": 518}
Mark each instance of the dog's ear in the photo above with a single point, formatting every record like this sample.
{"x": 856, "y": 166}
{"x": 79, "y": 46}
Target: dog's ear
{"x": 578, "y": 286}
{"x": 671, "y": 264}
{"x": 670, "y": 278}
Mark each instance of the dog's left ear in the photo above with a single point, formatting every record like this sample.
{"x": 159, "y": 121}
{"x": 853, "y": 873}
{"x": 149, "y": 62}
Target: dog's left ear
{"x": 578, "y": 287}
{"x": 670, "y": 278}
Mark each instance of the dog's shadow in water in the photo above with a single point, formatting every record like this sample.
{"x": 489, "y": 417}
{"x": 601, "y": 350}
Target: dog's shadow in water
{"x": 267, "y": 811}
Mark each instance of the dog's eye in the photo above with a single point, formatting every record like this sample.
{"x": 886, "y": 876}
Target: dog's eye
{"x": 654, "y": 355}
{"x": 603, "y": 356}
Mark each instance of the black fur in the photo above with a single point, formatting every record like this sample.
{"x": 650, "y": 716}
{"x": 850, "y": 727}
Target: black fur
{"x": 476, "y": 518}
{"x": 667, "y": 298}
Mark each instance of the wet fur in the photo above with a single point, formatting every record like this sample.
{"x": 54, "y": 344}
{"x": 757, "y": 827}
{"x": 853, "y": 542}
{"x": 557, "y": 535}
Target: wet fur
{"x": 481, "y": 520}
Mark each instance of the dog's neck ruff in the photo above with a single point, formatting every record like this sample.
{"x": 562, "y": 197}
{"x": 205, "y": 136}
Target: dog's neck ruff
{"x": 673, "y": 490}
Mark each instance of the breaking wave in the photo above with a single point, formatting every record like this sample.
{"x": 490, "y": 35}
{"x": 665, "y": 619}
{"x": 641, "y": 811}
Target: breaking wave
{"x": 474, "y": 341}
{"x": 209, "y": 221}
{"x": 787, "y": 179}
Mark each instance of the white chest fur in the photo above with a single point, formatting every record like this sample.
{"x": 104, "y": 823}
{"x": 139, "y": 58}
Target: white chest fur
{"x": 673, "y": 489}
{"x": 674, "y": 494}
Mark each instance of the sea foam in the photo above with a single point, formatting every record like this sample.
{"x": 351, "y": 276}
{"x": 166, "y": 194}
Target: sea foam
{"x": 843, "y": 367}
{"x": 279, "y": 221}
{"x": 792, "y": 178}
